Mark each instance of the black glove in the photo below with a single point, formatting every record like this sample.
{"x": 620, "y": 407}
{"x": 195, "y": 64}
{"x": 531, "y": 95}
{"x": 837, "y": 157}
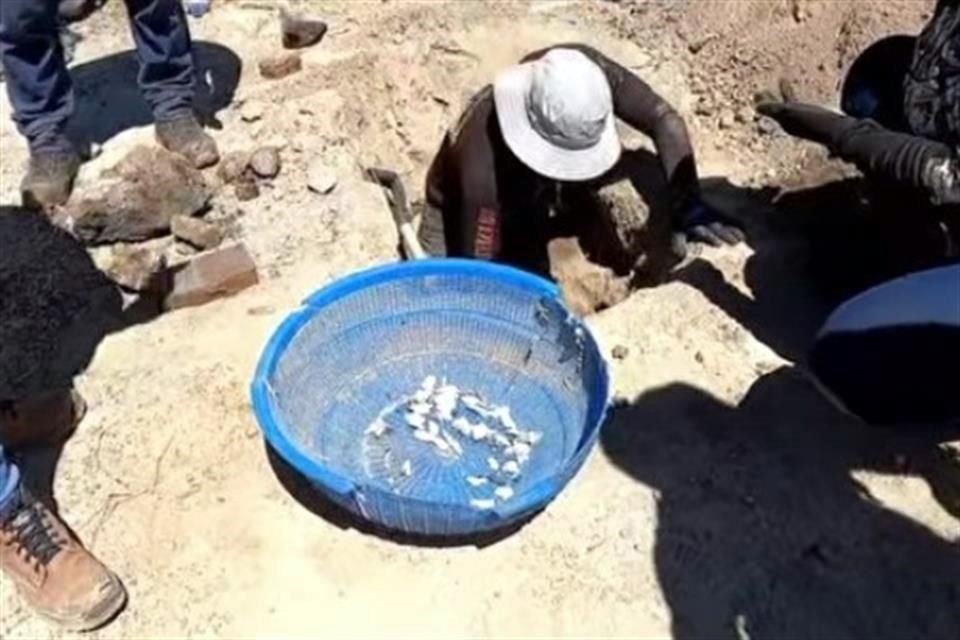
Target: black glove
{"x": 702, "y": 223}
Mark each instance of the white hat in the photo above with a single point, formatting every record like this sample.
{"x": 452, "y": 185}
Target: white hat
{"x": 556, "y": 115}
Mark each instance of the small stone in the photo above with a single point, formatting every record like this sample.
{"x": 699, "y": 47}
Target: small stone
{"x": 320, "y": 178}
{"x": 620, "y": 352}
{"x": 767, "y": 126}
{"x": 300, "y": 31}
{"x": 138, "y": 268}
{"x": 698, "y": 356}
{"x": 252, "y": 111}
{"x": 215, "y": 274}
{"x": 744, "y": 115}
{"x": 727, "y": 118}
{"x": 265, "y": 162}
{"x": 280, "y": 66}
{"x": 232, "y": 166}
{"x": 246, "y": 190}
{"x": 196, "y": 232}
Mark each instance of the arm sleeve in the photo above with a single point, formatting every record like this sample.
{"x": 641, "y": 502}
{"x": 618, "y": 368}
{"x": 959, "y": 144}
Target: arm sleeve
{"x": 479, "y": 219}
{"x": 902, "y": 157}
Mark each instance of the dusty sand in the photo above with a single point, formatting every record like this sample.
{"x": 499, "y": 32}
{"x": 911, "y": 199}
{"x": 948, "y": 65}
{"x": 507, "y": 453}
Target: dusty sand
{"x": 727, "y": 499}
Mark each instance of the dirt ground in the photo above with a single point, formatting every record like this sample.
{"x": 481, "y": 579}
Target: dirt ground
{"x": 727, "y": 499}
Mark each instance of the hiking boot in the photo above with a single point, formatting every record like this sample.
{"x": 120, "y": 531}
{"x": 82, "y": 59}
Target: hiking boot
{"x": 42, "y": 421}
{"x": 59, "y": 579}
{"x": 184, "y": 136}
{"x": 49, "y": 178}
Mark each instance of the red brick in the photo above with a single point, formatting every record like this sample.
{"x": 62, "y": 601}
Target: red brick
{"x": 212, "y": 275}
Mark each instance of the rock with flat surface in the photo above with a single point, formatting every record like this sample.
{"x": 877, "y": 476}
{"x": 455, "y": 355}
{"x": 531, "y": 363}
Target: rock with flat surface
{"x": 215, "y": 274}
{"x": 280, "y": 66}
{"x": 138, "y": 198}
{"x": 196, "y": 232}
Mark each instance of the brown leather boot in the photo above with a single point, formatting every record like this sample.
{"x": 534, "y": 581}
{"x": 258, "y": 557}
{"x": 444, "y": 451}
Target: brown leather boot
{"x": 41, "y": 421}
{"x": 184, "y": 136}
{"x": 59, "y": 579}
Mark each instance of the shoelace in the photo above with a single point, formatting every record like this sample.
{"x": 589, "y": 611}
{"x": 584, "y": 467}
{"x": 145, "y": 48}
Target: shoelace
{"x": 33, "y": 535}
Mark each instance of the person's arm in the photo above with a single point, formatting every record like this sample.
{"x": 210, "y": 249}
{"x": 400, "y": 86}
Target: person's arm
{"x": 927, "y": 165}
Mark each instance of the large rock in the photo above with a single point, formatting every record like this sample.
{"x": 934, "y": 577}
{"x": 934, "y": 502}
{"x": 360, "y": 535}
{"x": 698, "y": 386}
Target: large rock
{"x": 137, "y": 200}
{"x": 212, "y": 275}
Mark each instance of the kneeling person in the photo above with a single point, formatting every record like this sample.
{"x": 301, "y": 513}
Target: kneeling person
{"x": 546, "y": 123}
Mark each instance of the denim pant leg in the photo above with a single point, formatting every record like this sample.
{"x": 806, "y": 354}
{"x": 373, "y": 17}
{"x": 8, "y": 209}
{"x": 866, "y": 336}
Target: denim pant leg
{"x": 38, "y": 83}
{"x": 162, "y": 37}
{"x": 9, "y": 479}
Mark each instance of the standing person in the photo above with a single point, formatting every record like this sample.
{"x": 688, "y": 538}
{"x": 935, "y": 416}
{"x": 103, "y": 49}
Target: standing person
{"x": 41, "y": 94}
{"x": 544, "y": 125}
{"x": 55, "y": 308}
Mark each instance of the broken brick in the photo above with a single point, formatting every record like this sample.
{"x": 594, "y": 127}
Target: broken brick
{"x": 215, "y": 274}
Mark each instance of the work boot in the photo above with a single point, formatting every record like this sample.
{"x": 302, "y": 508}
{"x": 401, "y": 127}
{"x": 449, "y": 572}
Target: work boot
{"x": 184, "y": 136}
{"x": 49, "y": 178}
{"x": 42, "y": 421}
{"x": 59, "y": 579}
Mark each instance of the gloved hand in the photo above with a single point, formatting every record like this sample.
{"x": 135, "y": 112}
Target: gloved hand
{"x": 702, "y": 223}
{"x": 941, "y": 177}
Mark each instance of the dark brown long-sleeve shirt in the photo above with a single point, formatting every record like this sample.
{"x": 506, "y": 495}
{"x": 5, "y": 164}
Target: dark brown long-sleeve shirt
{"x": 492, "y": 202}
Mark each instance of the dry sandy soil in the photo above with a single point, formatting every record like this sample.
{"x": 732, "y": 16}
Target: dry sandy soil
{"x": 727, "y": 498}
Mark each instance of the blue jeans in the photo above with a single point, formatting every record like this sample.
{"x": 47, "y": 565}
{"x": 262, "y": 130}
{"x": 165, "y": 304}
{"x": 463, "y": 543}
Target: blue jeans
{"x": 9, "y": 479}
{"x": 38, "y": 82}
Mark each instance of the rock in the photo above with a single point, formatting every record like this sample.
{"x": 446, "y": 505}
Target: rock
{"x": 196, "y": 232}
{"x": 767, "y": 126}
{"x": 280, "y": 66}
{"x": 744, "y": 115}
{"x": 321, "y": 178}
{"x": 586, "y": 287}
{"x": 727, "y": 118}
{"x": 300, "y": 31}
{"x": 232, "y": 166}
{"x": 620, "y": 352}
{"x": 246, "y": 189}
{"x": 252, "y": 111}
{"x": 265, "y": 162}
{"x": 145, "y": 191}
{"x": 139, "y": 268}
{"x": 215, "y": 274}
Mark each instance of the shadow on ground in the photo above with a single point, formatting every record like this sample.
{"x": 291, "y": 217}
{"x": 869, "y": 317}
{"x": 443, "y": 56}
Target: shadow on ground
{"x": 108, "y": 99}
{"x": 763, "y": 532}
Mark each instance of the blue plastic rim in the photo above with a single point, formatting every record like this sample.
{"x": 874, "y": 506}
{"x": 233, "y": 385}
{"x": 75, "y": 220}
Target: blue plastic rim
{"x": 367, "y": 339}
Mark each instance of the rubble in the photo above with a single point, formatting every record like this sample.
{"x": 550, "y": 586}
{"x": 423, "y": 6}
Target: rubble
{"x": 208, "y": 276}
{"x": 138, "y": 267}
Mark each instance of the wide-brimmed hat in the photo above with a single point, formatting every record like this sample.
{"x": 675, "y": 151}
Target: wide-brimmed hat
{"x": 556, "y": 115}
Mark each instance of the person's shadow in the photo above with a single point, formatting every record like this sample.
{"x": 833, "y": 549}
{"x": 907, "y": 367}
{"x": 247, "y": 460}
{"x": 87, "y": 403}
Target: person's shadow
{"x": 56, "y": 307}
{"x": 763, "y": 531}
{"x": 108, "y": 98}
